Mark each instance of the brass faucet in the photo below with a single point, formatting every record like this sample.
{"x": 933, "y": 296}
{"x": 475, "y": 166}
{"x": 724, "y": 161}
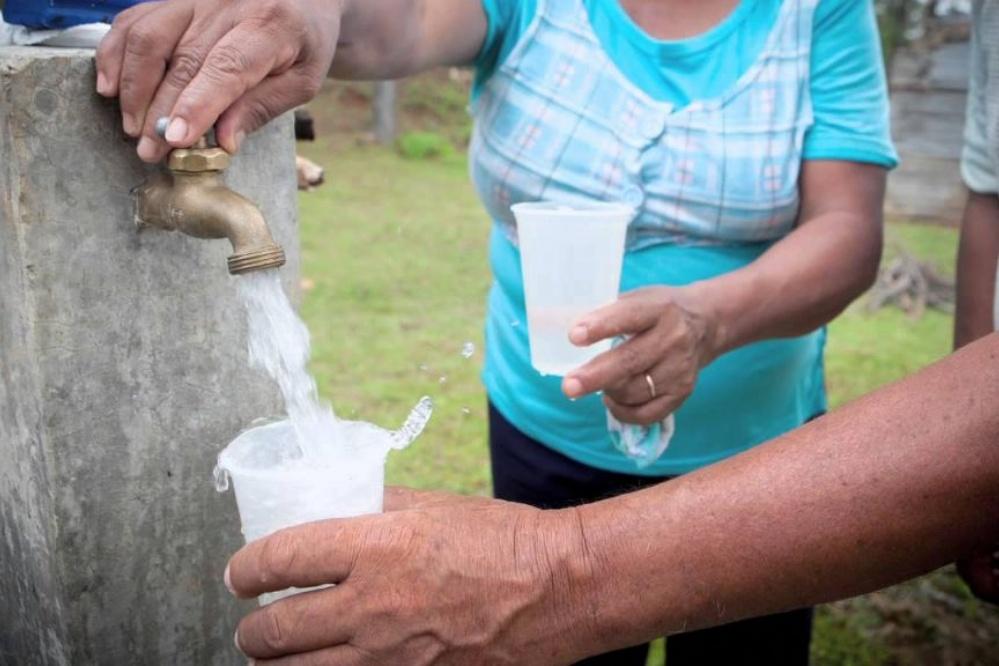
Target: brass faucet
{"x": 191, "y": 197}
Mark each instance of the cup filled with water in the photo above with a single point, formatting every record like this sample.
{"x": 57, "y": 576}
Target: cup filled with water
{"x": 279, "y": 484}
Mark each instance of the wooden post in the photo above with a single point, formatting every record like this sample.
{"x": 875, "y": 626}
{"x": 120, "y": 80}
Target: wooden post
{"x": 384, "y": 112}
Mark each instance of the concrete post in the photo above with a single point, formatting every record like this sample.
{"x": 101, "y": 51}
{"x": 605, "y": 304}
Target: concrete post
{"x": 123, "y": 372}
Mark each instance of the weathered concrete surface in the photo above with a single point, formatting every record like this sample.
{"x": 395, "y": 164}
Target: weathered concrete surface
{"x": 122, "y": 374}
{"x": 928, "y": 96}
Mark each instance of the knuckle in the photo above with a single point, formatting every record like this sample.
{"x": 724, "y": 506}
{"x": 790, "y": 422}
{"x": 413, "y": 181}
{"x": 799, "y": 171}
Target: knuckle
{"x": 618, "y": 394}
{"x": 130, "y": 86}
{"x": 646, "y": 417}
{"x": 142, "y": 41}
{"x": 184, "y": 66}
{"x": 277, "y": 556}
{"x": 258, "y": 113}
{"x": 287, "y": 53}
{"x": 632, "y": 359}
{"x": 625, "y": 393}
{"x": 273, "y": 630}
{"x": 311, "y": 85}
{"x": 679, "y": 339}
{"x": 106, "y": 47}
{"x": 274, "y": 10}
{"x": 123, "y": 18}
{"x": 227, "y": 62}
{"x": 598, "y": 327}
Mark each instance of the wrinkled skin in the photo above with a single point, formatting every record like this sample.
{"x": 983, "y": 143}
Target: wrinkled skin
{"x": 242, "y": 62}
{"x": 670, "y": 340}
{"x": 429, "y": 588}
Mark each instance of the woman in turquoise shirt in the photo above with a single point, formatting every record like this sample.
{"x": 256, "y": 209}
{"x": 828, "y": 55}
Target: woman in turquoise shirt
{"x": 755, "y": 153}
{"x": 751, "y": 138}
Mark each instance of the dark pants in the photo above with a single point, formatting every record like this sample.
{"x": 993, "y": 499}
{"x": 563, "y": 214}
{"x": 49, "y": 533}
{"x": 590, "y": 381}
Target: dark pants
{"x": 528, "y": 472}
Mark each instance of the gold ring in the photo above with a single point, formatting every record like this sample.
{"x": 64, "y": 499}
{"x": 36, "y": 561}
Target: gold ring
{"x": 652, "y": 386}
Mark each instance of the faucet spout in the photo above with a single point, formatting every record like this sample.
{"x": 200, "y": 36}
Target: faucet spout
{"x": 191, "y": 198}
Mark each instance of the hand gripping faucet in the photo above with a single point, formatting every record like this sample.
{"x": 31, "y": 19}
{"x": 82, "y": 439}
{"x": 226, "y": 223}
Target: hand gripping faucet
{"x": 190, "y": 197}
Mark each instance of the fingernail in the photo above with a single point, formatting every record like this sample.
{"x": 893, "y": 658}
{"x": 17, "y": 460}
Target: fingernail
{"x": 177, "y": 130}
{"x": 238, "y": 139}
{"x": 227, "y": 580}
{"x": 146, "y": 149}
{"x": 572, "y": 387}
{"x": 578, "y": 334}
{"x": 129, "y": 125}
{"x": 103, "y": 85}
{"x": 235, "y": 640}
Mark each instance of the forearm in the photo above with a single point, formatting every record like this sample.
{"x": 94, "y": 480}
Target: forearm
{"x": 804, "y": 280}
{"x": 891, "y": 486}
{"x": 976, "y": 268}
{"x": 388, "y": 39}
{"x": 800, "y": 284}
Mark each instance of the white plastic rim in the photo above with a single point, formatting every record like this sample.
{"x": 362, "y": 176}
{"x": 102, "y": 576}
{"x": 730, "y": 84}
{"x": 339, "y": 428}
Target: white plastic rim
{"x": 594, "y": 209}
{"x": 271, "y": 495}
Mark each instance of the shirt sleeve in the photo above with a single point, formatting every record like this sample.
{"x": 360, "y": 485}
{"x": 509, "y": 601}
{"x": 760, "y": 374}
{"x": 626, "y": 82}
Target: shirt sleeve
{"x": 507, "y": 20}
{"x": 977, "y": 168}
{"x": 849, "y": 91}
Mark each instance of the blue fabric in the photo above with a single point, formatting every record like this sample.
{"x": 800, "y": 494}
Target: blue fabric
{"x": 558, "y": 121}
{"x": 63, "y": 13}
{"x": 847, "y": 74}
{"x": 744, "y": 398}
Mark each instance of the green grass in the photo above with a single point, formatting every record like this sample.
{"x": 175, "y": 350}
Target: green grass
{"x": 394, "y": 251}
{"x": 867, "y": 350}
{"x": 423, "y": 145}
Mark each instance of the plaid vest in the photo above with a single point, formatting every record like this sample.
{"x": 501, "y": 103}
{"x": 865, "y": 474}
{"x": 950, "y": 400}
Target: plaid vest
{"x": 558, "y": 121}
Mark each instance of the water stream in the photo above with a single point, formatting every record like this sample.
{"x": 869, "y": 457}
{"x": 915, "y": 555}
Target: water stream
{"x": 279, "y": 345}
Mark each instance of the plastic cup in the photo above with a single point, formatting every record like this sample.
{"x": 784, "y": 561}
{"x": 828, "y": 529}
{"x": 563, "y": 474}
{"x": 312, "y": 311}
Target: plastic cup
{"x": 571, "y": 261}
{"x": 276, "y": 489}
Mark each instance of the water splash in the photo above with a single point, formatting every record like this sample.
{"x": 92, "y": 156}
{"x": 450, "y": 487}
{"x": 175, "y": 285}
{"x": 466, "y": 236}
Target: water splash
{"x": 414, "y": 424}
{"x": 279, "y": 345}
{"x": 221, "y": 477}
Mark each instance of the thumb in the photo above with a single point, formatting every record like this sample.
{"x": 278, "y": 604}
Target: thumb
{"x": 264, "y": 102}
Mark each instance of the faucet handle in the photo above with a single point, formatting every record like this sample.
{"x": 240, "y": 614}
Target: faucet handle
{"x": 206, "y": 141}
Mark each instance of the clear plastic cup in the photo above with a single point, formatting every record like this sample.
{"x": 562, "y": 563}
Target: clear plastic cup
{"x": 275, "y": 488}
{"x": 571, "y": 261}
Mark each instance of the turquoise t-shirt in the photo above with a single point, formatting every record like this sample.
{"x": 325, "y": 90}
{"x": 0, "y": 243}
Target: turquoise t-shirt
{"x": 849, "y": 95}
{"x": 850, "y": 111}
